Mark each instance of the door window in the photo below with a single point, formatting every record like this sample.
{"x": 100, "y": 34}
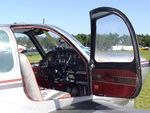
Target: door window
{"x": 113, "y": 41}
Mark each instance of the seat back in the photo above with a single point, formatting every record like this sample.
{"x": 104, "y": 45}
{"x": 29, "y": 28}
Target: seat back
{"x": 31, "y": 87}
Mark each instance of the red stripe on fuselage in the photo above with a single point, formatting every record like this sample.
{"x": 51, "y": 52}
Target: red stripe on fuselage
{"x": 9, "y": 81}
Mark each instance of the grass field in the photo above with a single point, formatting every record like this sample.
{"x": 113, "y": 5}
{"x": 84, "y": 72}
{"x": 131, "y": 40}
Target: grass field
{"x": 145, "y": 54}
{"x": 34, "y": 58}
{"x": 143, "y": 100}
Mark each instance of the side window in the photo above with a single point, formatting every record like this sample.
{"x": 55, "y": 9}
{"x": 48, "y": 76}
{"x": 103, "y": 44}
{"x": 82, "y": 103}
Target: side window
{"x": 6, "y": 57}
{"x": 26, "y": 46}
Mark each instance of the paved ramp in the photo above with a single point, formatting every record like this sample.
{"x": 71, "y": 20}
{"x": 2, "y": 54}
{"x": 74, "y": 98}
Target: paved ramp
{"x": 94, "y": 107}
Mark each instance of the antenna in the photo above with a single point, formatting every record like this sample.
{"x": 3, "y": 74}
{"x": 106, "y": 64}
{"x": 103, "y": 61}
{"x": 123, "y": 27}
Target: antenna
{"x": 43, "y": 20}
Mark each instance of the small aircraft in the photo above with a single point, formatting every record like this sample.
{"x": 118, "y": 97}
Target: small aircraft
{"x": 66, "y": 72}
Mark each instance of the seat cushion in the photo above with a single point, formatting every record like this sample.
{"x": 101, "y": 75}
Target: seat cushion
{"x": 49, "y": 94}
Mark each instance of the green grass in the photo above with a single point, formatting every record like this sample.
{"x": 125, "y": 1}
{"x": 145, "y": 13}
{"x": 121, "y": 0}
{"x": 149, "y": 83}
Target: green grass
{"x": 145, "y": 54}
{"x": 143, "y": 100}
{"x": 34, "y": 58}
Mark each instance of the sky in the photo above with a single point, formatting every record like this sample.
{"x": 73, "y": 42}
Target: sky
{"x": 72, "y": 15}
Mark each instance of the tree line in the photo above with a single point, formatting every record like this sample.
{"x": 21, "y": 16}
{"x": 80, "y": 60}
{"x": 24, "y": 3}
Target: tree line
{"x": 105, "y": 41}
{"x": 143, "y": 40}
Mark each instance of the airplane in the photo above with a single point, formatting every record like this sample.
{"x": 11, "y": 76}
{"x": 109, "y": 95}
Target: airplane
{"x": 66, "y": 71}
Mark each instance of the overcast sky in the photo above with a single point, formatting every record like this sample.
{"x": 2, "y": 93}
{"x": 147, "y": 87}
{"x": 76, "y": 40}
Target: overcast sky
{"x": 72, "y": 15}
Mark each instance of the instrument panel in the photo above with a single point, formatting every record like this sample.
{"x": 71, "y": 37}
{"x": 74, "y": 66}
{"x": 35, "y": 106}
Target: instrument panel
{"x": 63, "y": 65}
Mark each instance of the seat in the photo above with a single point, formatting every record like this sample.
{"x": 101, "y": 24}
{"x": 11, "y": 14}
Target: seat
{"x": 31, "y": 87}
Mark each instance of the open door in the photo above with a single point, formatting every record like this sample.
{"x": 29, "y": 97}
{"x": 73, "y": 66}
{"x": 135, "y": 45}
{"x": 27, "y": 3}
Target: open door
{"x": 115, "y": 62}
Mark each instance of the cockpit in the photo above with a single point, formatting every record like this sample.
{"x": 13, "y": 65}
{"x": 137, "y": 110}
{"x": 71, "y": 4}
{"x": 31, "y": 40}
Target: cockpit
{"x": 56, "y": 64}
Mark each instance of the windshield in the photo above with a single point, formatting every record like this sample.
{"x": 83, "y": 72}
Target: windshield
{"x": 78, "y": 45}
{"x": 50, "y": 40}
